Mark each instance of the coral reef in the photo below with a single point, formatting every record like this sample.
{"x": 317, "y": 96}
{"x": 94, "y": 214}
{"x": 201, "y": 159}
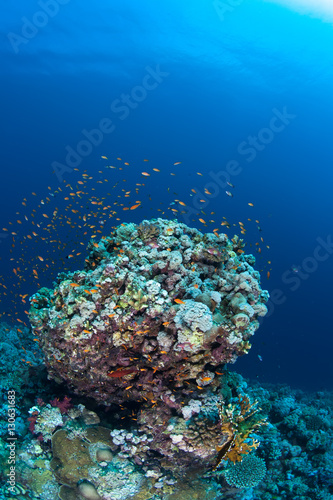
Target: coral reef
{"x": 203, "y": 432}
{"x": 86, "y": 458}
{"x": 142, "y": 461}
{"x": 158, "y": 308}
{"x": 151, "y": 321}
{"x": 297, "y": 445}
{"x": 158, "y": 311}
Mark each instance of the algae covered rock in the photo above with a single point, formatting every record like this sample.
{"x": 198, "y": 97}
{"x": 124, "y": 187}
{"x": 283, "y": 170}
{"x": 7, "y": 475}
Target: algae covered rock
{"x": 157, "y": 305}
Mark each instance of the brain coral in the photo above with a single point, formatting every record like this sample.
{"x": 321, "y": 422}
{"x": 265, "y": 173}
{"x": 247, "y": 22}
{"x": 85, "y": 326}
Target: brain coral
{"x": 157, "y": 305}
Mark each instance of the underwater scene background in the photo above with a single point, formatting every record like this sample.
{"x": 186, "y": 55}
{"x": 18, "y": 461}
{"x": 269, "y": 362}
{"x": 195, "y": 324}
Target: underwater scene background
{"x": 166, "y": 250}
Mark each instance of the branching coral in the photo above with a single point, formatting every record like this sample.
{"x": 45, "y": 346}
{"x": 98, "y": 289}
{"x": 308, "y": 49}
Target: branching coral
{"x": 138, "y": 300}
{"x": 147, "y": 231}
{"x": 238, "y": 244}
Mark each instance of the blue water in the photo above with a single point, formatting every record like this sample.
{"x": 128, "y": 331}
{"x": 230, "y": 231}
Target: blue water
{"x": 202, "y": 87}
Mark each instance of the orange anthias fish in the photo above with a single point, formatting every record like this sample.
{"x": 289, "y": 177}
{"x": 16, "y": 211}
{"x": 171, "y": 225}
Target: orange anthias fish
{"x": 178, "y": 301}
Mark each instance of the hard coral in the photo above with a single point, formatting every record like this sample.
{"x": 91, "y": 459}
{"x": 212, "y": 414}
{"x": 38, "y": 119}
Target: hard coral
{"x": 188, "y": 436}
{"x": 43, "y": 422}
{"x": 138, "y": 300}
{"x": 238, "y": 244}
{"x": 73, "y": 457}
{"x": 247, "y": 473}
{"x": 195, "y": 433}
{"x": 131, "y": 326}
{"x": 148, "y": 231}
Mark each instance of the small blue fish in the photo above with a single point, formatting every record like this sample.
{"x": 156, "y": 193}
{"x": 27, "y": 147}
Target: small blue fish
{"x": 229, "y": 194}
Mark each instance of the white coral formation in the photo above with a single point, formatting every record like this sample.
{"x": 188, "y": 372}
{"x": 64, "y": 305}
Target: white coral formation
{"x": 164, "y": 340}
{"x": 260, "y": 309}
{"x": 192, "y": 320}
{"x": 176, "y": 438}
{"x": 122, "y": 481}
{"x": 176, "y": 260}
{"x": 47, "y": 421}
{"x": 153, "y": 287}
{"x": 244, "y": 311}
{"x": 192, "y": 408}
{"x": 194, "y": 315}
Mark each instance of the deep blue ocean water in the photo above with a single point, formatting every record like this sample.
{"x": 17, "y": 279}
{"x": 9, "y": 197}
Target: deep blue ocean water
{"x": 242, "y": 92}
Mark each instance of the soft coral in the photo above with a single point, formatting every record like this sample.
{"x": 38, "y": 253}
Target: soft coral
{"x": 33, "y": 420}
{"x": 63, "y": 405}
